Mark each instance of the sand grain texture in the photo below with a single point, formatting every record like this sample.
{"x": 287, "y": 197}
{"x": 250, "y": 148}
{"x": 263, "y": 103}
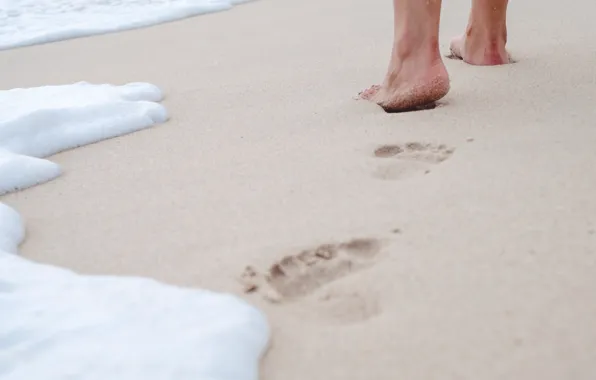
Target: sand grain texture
{"x": 492, "y": 273}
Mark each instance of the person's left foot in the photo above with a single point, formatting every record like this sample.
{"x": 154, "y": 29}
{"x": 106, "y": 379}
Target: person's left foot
{"x": 411, "y": 83}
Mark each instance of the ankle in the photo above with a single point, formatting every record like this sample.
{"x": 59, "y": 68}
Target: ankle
{"x": 420, "y": 49}
{"x": 492, "y": 36}
{"x": 485, "y": 46}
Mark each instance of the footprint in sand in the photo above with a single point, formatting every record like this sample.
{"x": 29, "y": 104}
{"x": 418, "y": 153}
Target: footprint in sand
{"x": 345, "y": 307}
{"x": 410, "y": 159}
{"x": 301, "y": 274}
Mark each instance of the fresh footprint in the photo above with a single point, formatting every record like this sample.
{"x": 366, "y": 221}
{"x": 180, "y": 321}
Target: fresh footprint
{"x": 298, "y": 275}
{"x": 410, "y": 159}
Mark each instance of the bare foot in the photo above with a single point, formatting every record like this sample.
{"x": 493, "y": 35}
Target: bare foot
{"x": 486, "y": 35}
{"x": 477, "y": 50}
{"x": 410, "y": 86}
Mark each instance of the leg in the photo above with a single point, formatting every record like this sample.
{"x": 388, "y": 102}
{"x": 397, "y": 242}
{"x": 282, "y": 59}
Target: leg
{"x": 416, "y": 76}
{"x": 486, "y": 34}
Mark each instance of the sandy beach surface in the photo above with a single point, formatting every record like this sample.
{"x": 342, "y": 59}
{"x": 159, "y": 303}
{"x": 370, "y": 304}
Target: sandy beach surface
{"x": 476, "y": 220}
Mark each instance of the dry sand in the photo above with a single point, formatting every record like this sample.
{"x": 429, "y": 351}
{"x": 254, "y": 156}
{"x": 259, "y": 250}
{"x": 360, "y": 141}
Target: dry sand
{"x": 491, "y": 275}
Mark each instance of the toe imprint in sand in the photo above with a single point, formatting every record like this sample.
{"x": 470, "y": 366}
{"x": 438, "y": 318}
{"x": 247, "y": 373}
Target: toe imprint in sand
{"x": 410, "y": 159}
{"x": 298, "y": 275}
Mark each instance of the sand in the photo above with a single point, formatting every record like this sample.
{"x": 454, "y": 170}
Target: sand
{"x": 480, "y": 256}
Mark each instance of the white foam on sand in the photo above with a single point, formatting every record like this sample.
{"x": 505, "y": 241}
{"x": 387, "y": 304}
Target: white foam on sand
{"x": 56, "y": 324}
{"x": 29, "y": 22}
{"x": 38, "y": 122}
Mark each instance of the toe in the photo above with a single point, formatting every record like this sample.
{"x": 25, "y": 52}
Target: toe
{"x": 369, "y": 92}
{"x": 456, "y": 48}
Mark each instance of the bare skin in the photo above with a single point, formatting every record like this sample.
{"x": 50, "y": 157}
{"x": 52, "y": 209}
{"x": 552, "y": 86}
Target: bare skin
{"x": 417, "y": 77}
{"x": 486, "y": 35}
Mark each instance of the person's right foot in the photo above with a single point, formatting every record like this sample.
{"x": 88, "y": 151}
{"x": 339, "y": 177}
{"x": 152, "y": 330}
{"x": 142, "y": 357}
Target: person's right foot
{"x": 476, "y": 49}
